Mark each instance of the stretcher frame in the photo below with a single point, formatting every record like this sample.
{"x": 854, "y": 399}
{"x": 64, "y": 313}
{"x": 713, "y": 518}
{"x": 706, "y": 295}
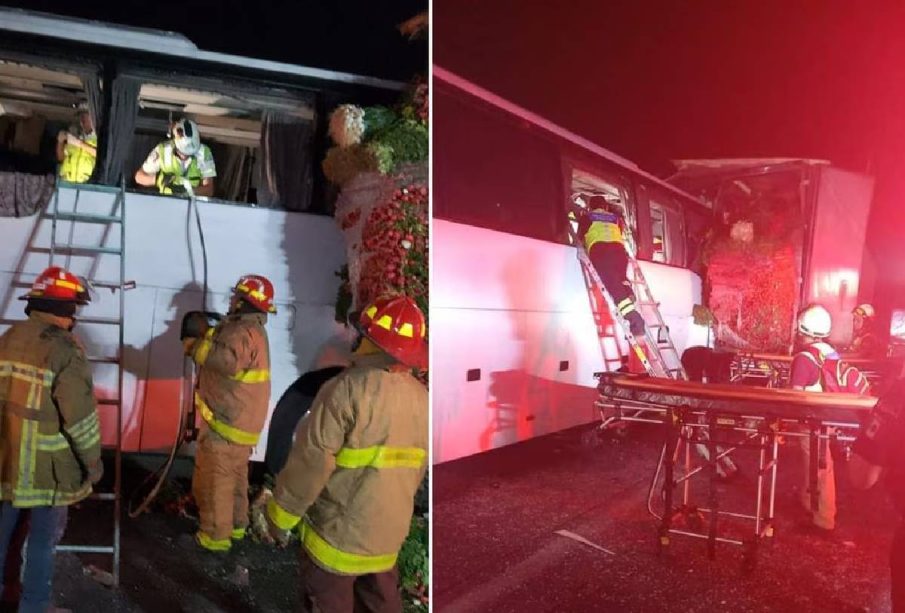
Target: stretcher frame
{"x": 774, "y": 370}
{"x": 758, "y": 417}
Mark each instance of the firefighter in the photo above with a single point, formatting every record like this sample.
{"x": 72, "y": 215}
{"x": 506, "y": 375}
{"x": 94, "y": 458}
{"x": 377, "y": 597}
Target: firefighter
{"x": 812, "y": 367}
{"x": 50, "y": 454}
{"x": 178, "y": 162}
{"x": 77, "y": 150}
{"x": 232, "y": 397}
{"x": 600, "y": 228}
{"x": 356, "y": 464}
{"x": 866, "y": 343}
{"x": 879, "y": 449}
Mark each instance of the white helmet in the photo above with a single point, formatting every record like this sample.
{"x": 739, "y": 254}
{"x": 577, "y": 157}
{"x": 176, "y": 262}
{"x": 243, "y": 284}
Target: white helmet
{"x": 864, "y": 310}
{"x": 186, "y": 137}
{"x": 815, "y": 321}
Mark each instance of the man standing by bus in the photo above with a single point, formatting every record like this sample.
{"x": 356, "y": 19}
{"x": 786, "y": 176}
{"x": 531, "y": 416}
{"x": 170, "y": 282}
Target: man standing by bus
{"x": 866, "y": 343}
{"x": 50, "y": 442}
{"x": 179, "y": 163}
{"x": 233, "y": 397}
{"x": 817, "y": 368}
{"x": 356, "y": 464}
{"x": 879, "y": 448}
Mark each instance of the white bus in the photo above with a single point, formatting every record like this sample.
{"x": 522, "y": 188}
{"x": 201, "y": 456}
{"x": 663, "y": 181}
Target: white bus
{"x": 266, "y": 123}
{"x": 514, "y": 343}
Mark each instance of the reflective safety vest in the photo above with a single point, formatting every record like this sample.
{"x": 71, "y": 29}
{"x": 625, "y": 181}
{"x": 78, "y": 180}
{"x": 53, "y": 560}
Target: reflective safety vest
{"x": 171, "y": 164}
{"x": 835, "y": 374}
{"x": 78, "y": 164}
{"x": 604, "y": 228}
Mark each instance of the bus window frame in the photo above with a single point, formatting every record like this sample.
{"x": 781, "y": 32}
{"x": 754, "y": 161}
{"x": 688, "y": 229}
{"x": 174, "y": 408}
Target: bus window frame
{"x": 674, "y": 249}
{"x": 620, "y": 181}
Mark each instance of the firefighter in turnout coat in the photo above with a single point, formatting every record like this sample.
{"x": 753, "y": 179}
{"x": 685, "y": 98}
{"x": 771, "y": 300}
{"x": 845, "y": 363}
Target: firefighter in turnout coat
{"x": 232, "y": 397}
{"x": 355, "y": 466}
{"x": 50, "y": 453}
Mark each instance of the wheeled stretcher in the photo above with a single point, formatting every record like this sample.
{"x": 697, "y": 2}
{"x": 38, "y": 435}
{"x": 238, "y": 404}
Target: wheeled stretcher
{"x": 733, "y": 417}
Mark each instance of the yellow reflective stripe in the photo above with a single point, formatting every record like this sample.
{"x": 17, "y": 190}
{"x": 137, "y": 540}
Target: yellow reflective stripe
{"x": 52, "y": 442}
{"x": 203, "y": 348}
{"x": 380, "y": 456}
{"x": 212, "y": 544}
{"x": 256, "y": 294}
{"x": 281, "y": 518}
{"x": 26, "y": 372}
{"x": 86, "y": 432}
{"x": 228, "y": 432}
{"x": 252, "y": 375}
{"x": 237, "y": 534}
{"x": 341, "y": 561}
{"x": 625, "y": 306}
{"x": 68, "y": 285}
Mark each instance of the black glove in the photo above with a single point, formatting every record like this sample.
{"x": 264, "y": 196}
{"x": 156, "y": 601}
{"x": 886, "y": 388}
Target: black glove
{"x": 174, "y": 183}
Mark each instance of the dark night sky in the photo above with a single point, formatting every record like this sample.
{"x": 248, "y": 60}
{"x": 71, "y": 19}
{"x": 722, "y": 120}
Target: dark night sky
{"x": 353, "y": 36}
{"x": 655, "y": 81}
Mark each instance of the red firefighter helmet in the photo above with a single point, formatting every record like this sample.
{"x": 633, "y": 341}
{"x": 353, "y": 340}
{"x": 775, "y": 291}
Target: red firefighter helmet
{"x": 59, "y": 284}
{"x": 257, "y": 290}
{"x": 397, "y": 326}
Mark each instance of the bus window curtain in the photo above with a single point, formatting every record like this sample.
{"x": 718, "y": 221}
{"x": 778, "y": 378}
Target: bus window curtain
{"x": 119, "y": 129}
{"x": 286, "y": 160}
{"x": 233, "y": 175}
{"x": 92, "y": 87}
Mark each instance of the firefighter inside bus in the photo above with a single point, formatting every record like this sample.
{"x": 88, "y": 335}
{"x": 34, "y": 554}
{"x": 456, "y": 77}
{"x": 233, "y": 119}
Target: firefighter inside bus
{"x": 602, "y": 230}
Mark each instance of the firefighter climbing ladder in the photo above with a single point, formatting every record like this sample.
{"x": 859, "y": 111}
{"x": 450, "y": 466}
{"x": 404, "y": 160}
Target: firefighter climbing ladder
{"x": 107, "y": 205}
{"x": 653, "y": 349}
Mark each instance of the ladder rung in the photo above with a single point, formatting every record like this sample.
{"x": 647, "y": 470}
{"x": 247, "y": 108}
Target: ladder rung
{"x": 108, "y": 401}
{"x": 85, "y": 549}
{"x": 103, "y": 360}
{"x": 113, "y": 284}
{"x": 102, "y": 496}
{"x": 89, "y": 249}
{"x": 86, "y": 217}
{"x": 113, "y": 321}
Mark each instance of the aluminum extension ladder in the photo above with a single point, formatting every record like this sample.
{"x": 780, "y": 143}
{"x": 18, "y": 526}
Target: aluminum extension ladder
{"x": 656, "y": 344}
{"x": 60, "y": 250}
{"x": 657, "y": 341}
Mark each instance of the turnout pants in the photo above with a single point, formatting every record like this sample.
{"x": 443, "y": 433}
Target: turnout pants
{"x": 220, "y": 487}
{"x": 610, "y": 261}
{"x": 325, "y": 592}
{"x": 825, "y": 515}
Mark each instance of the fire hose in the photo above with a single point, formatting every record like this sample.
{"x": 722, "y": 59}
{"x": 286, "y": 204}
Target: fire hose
{"x": 193, "y": 325}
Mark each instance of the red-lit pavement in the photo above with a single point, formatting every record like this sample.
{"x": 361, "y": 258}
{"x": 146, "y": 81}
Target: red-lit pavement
{"x": 495, "y": 516}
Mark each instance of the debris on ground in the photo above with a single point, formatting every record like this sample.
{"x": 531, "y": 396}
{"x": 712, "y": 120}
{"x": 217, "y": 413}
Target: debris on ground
{"x": 101, "y": 576}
